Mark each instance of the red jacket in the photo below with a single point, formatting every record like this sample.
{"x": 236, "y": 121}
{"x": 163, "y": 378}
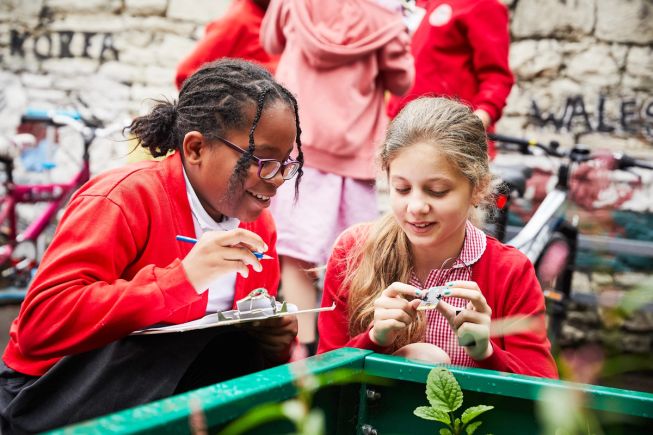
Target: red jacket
{"x": 114, "y": 267}
{"x": 235, "y": 34}
{"x": 504, "y": 275}
{"x": 461, "y": 50}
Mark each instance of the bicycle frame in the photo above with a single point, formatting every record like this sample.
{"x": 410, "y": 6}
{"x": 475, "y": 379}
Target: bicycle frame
{"x": 548, "y": 217}
{"x": 55, "y": 194}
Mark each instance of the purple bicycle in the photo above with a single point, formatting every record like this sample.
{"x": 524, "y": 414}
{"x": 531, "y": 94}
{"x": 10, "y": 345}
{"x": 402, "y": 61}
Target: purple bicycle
{"x": 16, "y": 270}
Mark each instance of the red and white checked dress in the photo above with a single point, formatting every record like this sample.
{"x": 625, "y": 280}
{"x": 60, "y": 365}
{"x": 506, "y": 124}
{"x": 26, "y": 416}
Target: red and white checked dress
{"x": 438, "y": 331}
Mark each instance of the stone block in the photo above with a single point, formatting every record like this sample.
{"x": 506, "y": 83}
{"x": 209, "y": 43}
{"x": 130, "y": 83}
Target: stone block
{"x": 201, "y": 11}
{"x": 74, "y": 67}
{"x": 84, "y": 6}
{"x": 546, "y": 18}
{"x": 159, "y": 76}
{"x": 625, "y": 21}
{"x": 531, "y": 58}
{"x": 121, "y": 72}
{"x": 639, "y": 69}
{"x": 172, "y": 49}
{"x": 146, "y": 7}
{"x": 594, "y": 66}
{"x": 145, "y": 95}
{"x": 30, "y": 80}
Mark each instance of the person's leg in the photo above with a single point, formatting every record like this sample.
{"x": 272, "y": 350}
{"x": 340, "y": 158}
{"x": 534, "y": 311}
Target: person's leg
{"x": 426, "y": 352}
{"x": 304, "y": 241}
{"x": 298, "y": 287}
{"x": 227, "y": 356}
{"x": 123, "y": 374}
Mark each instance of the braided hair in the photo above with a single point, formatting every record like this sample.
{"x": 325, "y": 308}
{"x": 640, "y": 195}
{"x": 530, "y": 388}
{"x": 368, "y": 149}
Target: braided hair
{"x": 212, "y": 101}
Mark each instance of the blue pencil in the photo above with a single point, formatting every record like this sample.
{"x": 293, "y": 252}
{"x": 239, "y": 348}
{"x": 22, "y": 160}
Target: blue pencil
{"x": 259, "y": 255}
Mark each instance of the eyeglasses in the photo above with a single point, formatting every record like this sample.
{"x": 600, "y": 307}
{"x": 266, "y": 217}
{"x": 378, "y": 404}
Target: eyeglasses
{"x": 268, "y": 168}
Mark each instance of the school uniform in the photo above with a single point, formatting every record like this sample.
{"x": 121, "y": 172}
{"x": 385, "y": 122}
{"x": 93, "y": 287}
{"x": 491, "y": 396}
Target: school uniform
{"x": 235, "y": 35}
{"x": 461, "y": 51}
{"x": 506, "y": 278}
{"x": 114, "y": 267}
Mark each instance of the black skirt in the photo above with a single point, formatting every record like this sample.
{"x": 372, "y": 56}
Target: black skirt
{"x": 126, "y": 373}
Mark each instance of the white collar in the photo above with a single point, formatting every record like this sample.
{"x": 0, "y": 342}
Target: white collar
{"x": 202, "y": 218}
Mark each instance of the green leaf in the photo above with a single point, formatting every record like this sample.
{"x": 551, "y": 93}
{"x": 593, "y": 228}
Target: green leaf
{"x": 443, "y": 391}
{"x": 445, "y": 431}
{"x": 457, "y": 425}
{"x": 314, "y": 423}
{"x": 471, "y": 427}
{"x": 428, "y": 413}
{"x": 473, "y": 412}
{"x": 256, "y": 417}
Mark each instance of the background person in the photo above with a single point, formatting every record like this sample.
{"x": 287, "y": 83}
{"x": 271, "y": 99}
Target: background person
{"x": 435, "y": 157}
{"x": 338, "y": 58}
{"x": 234, "y": 35}
{"x": 461, "y": 51}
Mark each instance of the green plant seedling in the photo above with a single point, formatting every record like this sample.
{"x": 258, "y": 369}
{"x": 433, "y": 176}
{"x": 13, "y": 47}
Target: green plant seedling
{"x": 445, "y": 396}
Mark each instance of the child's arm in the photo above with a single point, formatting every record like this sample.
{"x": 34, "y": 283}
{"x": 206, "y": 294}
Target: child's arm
{"x": 272, "y": 37}
{"x": 487, "y": 30}
{"x": 396, "y": 65}
{"x": 526, "y": 353}
{"x": 78, "y": 300}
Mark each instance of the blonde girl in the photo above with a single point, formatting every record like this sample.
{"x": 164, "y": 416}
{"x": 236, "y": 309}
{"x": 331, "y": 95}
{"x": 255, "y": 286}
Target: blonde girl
{"x": 435, "y": 158}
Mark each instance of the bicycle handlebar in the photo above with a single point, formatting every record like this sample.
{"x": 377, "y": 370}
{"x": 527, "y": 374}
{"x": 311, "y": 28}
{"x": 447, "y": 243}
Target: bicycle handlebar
{"x": 87, "y": 127}
{"x": 526, "y": 144}
{"x": 577, "y": 153}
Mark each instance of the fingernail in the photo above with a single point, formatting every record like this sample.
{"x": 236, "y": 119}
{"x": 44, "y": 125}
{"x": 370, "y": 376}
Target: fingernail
{"x": 265, "y": 247}
{"x": 418, "y": 292}
{"x": 447, "y": 292}
{"x": 449, "y": 284}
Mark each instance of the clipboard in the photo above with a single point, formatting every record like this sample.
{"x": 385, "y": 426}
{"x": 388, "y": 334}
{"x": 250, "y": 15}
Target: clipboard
{"x": 259, "y": 305}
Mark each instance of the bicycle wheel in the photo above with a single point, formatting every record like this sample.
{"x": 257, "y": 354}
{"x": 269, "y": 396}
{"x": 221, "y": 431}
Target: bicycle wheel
{"x": 554, "y": 273}
{"x": 553, "y": 261}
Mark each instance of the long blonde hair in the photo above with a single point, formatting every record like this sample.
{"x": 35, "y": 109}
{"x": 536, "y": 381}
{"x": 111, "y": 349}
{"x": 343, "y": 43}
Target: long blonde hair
{"x": 385, "y": 255}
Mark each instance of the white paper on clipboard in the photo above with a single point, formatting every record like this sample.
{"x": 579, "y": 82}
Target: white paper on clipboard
{"x": 213, "y": 321}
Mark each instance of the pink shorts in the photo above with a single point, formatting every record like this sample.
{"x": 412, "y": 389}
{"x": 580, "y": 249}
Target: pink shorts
{"x": 327, "y": 205}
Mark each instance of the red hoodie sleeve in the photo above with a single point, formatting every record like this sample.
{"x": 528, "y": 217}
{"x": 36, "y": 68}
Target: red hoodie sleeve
{"x": 487, "y": 29}
{"x": 219, "y": 41}
{"x": 527, "y": 353}
{"x": 333, "y": 326}
{"x": 78, "y": 300}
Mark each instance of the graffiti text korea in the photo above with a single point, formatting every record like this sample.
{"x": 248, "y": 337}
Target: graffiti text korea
{"x": 632, "y": 116}
{"x": 63, "y": 44}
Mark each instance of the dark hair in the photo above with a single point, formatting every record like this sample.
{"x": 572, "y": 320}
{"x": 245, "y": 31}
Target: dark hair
{"x": 212, "y": 101}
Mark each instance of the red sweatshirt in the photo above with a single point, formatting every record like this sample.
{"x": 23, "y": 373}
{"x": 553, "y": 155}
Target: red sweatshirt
{"x": 461, "y": 50}
{"x": 505, "y": 276}
{"x": 235, "y": 34}
{"x": 114, "y": 267}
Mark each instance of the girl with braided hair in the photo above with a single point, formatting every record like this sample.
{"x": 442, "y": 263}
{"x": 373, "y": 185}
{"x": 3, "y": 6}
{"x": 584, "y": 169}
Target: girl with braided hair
{"x": 115, "y": 267}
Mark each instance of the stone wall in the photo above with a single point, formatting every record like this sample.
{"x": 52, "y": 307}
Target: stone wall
{"x": 584, "y": 68}
{"x": 584, "y": 71}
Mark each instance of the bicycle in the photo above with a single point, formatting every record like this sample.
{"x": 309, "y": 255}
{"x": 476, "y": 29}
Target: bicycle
{"x": 17, "y": 271}
{"x": 549, "y": 239}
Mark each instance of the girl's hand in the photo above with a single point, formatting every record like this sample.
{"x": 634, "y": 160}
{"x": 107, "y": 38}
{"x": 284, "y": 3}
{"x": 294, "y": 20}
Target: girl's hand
{"x": 217, "y": 253}
{"x": 274, "y": 336}
{"x": 471, "y": 325}
{"x": 393, "y": 313}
